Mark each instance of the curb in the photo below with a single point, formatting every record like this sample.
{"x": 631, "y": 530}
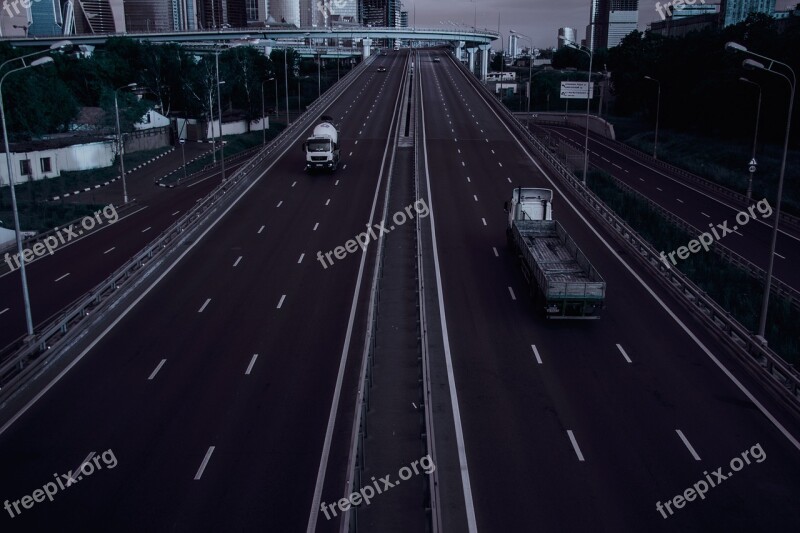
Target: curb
{"x": 67, "y": 194}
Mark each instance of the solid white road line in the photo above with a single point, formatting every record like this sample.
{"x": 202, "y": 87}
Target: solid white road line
{"x": 250, "y": 366}
{"x": 536, "y": 354}
{"x": 575, "y": 445}
{"x": 62, "y": 277}
{"x": 301, "y": 258}
{"x": 199, "y": 473}
{"x": 237, "y": 260}
{"x": 625, "y": 355}
{"x": 511, "y": 291}
{"x": 110, "y": 249}
{"x": 688, "y": 446}
{"x": 472, "y": 526}
{"x": 281, "y": 302}
{"x": 153, "y": 374}
{"x": 204, "y": 305}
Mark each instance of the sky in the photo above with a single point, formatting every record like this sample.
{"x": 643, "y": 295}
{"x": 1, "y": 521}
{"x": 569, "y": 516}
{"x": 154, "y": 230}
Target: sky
{"x": 540, "y": 19}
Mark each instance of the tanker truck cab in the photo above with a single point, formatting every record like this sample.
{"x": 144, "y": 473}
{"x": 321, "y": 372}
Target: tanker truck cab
{"x": 322, "y": 148}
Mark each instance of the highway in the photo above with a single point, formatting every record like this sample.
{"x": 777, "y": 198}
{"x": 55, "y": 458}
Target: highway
{"x": 215, "y": 391}
{"x": 226, "y": 392}
{"x": 697, "y": 207}
{"x": 574, "y": 426}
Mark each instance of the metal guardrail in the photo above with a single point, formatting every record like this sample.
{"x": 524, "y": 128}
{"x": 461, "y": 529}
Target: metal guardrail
{"x": 56, "y": 337}
{"x": 715, "y": 188}
{"x": 778, "y": 287}
{"x": 782, "y": 377}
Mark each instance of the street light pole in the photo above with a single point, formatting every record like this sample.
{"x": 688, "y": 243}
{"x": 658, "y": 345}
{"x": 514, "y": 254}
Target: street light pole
{"x": 658, "y": 113}
{"x": 319, "y": 75}
{"x": 219, "y": 113}
{"x": 120, "y": 147}
{"x": 751, "y": 64}
{"x": 530, "y": 65}
{"x": 590, "y": 53}
{"x": 211, "y": 124}
{"x": 20, "y": 255}
{"x": 263, "y": 130}
{"x": 755, "y": 140}
{"x": 286, "y": 82}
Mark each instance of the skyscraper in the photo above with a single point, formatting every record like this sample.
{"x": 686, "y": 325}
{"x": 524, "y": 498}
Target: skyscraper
{"x": 566, "y": 35}
{"x": 736, "y": 11}
{"x": 610, "y": 21}
{"x": 287, "y": 11}
{"x": 381, "y": 13}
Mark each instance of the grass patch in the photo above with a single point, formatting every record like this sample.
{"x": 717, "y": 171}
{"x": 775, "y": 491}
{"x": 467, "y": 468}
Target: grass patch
{"x": 732, "y": 288}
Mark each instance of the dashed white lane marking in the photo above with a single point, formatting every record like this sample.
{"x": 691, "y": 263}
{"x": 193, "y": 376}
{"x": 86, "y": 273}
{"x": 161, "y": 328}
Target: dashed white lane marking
{"x": 509, "y": 180}
{"x": 625, "y": 355}
{"x": 175, "y": 213}
{"x": 536, "y": 354}
{"x": 4, "y": 310}
{"x": 154, "y": 372}
{"x": 62, "y": 277}
{"x": 315, "y": 226}
{"x": 203, "y": 465}
{"x": 688, "y": 446}
{"x": 511, "y": 291}
{"x": 250, "y": 366}
{"x": 469, "y": 180}
{"x": 110, "y": 249}
{"x": 281, "y": 302}
{"x": 495, "y": 252}
{"x": 707, "y": 216}
{"x": 776, "y": 253}
{"x": 681, "y": 201}
{"x": 235, "y": 263}
{"x": 475, "y": 196}
{"x": 279, "y": 203}
{"x": 660, "y": 189}
{"x": 148, "y": 228}
{"x": 327, "y": 201}
{"x": 575, "y": 445}
{"x": 484, "y": 221}
{"x": 336, "y": 183}
{"x": 301, "y": 258}
{"x": 294, "y": 183}
{"x": 616, "y": 165}
{"x": 204, "y": 305}
{"x": 261, "y": 229}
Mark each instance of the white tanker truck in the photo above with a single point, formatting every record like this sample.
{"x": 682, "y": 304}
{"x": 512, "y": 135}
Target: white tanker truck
{"x": 322, "y": 148}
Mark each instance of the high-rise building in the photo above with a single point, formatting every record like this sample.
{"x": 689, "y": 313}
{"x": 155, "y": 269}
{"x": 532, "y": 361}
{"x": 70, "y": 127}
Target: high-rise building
{"x": 610, "y": 21}
{"x": 98, "y": 16}
{"x": 148, "y": 15}
{"x": 385, "y": 13}
{"x": 736, "y": 11}
{"x": 287, "y": 11}
{"x": 256, "y": 11}
{"x": 566, "y": 35}
{"x": 513, "y": 45}
{"x": 221, "y": 13}
{"x": 184, "y": 15}
{"x": 404, "y": 19}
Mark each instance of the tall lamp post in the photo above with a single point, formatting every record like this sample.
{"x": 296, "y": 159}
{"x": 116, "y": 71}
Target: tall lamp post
{"x": 20, "y": 255}
{"x": 219, "y": 113}
{"x": 530, "y": 65}
{"x": 286, "y": 82}
{"x": 590, "y": 53}
{"x": 755, "y": 140}
{"x": 120, "y": 147}
{"x": 751, "y": 64}
{"x": 263, "y": 114}
{"x": 658, "y": 113}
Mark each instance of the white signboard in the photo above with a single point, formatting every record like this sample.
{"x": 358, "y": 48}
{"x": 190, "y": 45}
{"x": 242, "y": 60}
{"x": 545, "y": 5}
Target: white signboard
{"x": 576, "y": 89}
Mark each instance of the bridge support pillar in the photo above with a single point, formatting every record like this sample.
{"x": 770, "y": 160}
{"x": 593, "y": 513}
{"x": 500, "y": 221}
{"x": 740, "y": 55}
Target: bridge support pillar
{"x": 471, "y": 52}
{"x": 459, "y": 49}
{"x": 484, "y": 60}
{"x": 366, "y": 44}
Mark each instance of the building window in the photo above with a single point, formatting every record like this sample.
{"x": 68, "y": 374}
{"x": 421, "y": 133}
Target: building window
{"x": 45, "y": 164}
{"x": 252, "y": 10}
{"x": 25, "y": 167}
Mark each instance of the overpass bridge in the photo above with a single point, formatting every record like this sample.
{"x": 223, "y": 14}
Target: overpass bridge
{"x": 469, "y": 39}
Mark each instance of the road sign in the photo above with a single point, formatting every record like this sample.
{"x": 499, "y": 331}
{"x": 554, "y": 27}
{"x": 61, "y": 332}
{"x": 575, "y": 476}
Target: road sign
{"x": 181, "y": 141}
{"x": 576, "y": 89}
{"x": 752, "y": 168}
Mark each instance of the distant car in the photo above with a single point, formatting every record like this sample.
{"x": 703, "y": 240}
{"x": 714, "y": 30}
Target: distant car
{"x": 436, "y": 60}
{"x": 381, "y": 69}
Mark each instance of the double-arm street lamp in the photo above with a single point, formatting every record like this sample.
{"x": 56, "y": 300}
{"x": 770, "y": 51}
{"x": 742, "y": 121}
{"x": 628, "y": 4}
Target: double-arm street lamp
{"x": 658, "y": 113}
{"x": 20, "y": 255}
{"x": 530, "y": 65}
{"x": 590, "y": 53}
{"x": 120, "y": 147}
{"x": 769, "y": 67}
